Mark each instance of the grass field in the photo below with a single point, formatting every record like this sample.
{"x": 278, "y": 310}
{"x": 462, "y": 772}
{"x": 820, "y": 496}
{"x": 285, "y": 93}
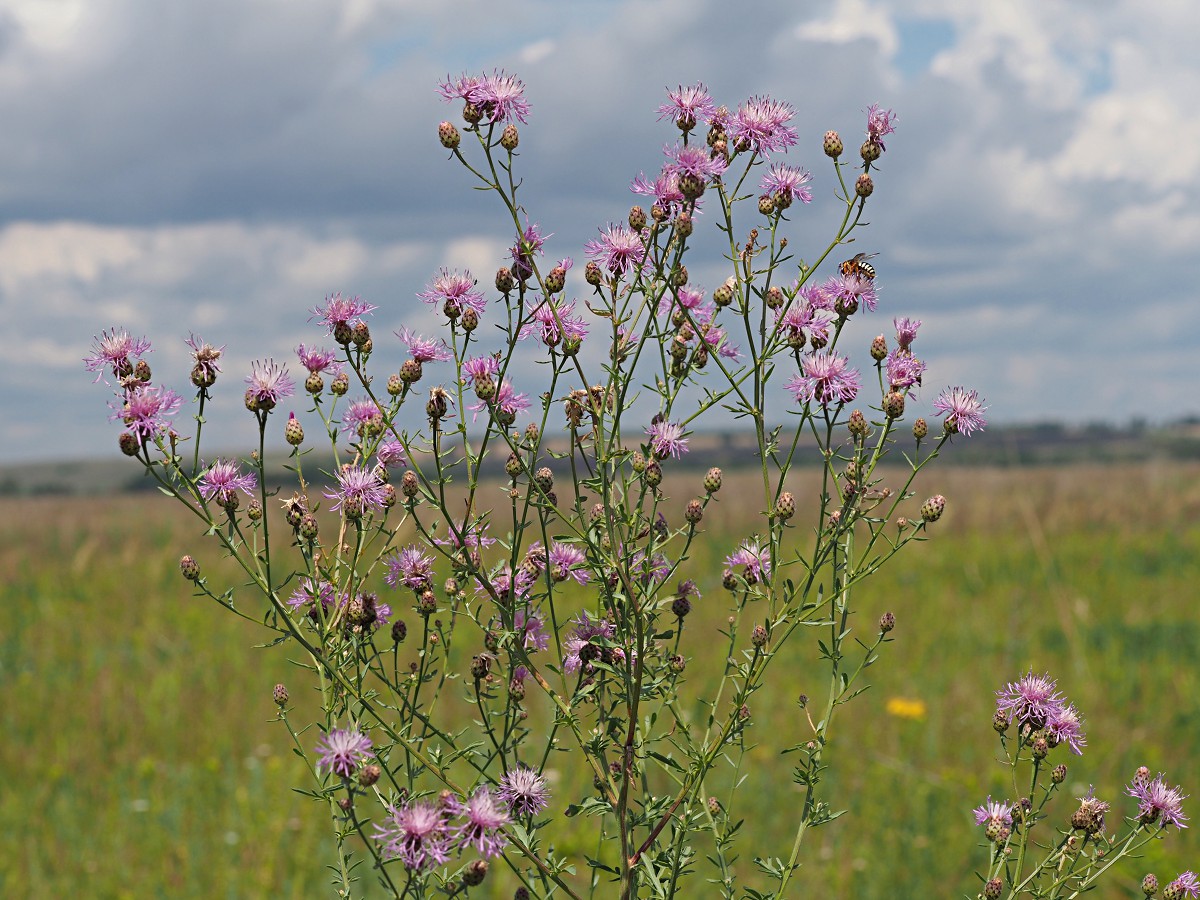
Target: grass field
{"x": 141, "y": 761}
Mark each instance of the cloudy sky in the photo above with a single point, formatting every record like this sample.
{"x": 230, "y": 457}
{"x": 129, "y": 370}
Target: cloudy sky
{"x": 219, "y": 167}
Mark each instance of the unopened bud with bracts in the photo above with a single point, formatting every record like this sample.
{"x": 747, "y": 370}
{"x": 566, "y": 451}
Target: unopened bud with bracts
{"x": 857, "y": 424}
{"x": 774, "y": 297}
{"x": 676, "y": 664}
{"x": 758, "y": 637}
{"x": 369, "y": 774}
{"x": 189, "y": 568}
{"x": 477, "y": 869}
{"x": 1150, "y": 884}
{"x": 309, "y": 528}
{"x": 293, "y": 432}
{"x": 993, "y": 888}
{"x": 887, "y": 622}
{"x": 314, "y": 383}
{"x": 694, "y": 512}
{"x": 723, "y": 295}
{"x": 254, "y": 511}
{"x": 879, "y": 348}
{"x": 833, "y": 145}
{"x": 410, "y": 371}
{"x": 592, "y": 274}
{"x": 679, "y": 276}
{"x": 864, "y": 186}
{"x": 683, "y": 225}
{"x": 766, "y": 204}
{"x": 504, "y": 280}
{"x": 893, "y": 404}
{"x": 438, "y": 404}
{"x": 870, "y": 151}
{"x": 1058, "y": 774}
{"x": 280, "y": 695}
{"x": 129, "y": 443}
{"x": 141, "y": 371}
{"x": 340, "y": 384}
{"x": 1000, "y": 723}
{"x": 932, "y": 509}
{"x": 426, "y": 603}
{"x": 544, "y": 478}
{"x": 681, "y": 606}
{"x": 469, "y": 320}
{"x": 513, "y": 465}
{"x": 399, "y": 631}
{"x": 920, "y": 429}
{"x": 1041, "y": 747}
{"x": 712, "y": 480}
{"x": 509, "y": 138}
{"x": 449, "y": 135}
{"x": 556, "y": 280}
{"x": 637, "y": 218}
{"x": 653, "y": 473}
{"x": 785, "y": 506}
{"x": 361, "y": 334}
{"x": 410, "y": 485}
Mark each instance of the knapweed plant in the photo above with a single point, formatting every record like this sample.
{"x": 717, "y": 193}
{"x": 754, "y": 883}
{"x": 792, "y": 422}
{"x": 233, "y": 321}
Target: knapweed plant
{"x": 489, "y": 570}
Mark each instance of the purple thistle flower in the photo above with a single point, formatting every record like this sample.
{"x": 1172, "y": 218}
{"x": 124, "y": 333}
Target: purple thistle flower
{"x": 817, "y": 296}
{"x": 790, "y": 182}
{"x": 754, "y": 560}
{"x": 804, "y": 319}
{"x": 666, "y": 439}
{"x": 222, "y": 481}
{"x": 339, "y": 310}
{"x": 343, "y": 750}
{"x": 362, "y": 416}
{"x": 145, "y": 410}
{"x": 411, "y": 567}
{"x": 664, "y": 189}
{"x": 115, "y": 350}
{"x": 564, "y": 561}
{"x": 825, "y": 378}
{"x": 555, "y": 324}
{"x": 687, "y": 106}
{"x": 903, "y": 370}
{"x": 507, "y": 586}
{"x": 507, "y": 401}
{"x": 1186, "y": 885}
{"x": 481, "y": 369}
{"x": 308, "y": 592}
{"x": 964, "y": 409}
{"x": 761, "y": 125}
{"x": 390, "y": 454}
{"x": 499, "y": 96}
{"x": 450, "y": 289}
{"x": 618, "y": 249}
{"x": 416, "y": 834}
{"x": 1064, "y": 725}
{"x": 694, "y": 161}
{"x": 358, "y": 490}
{"x": 524, "y": 791}
{"x": 532, "y": 630}
{"x": 848, "y": 292}
{"x": 1029, "y": 702}
{"x": 880, "y": 122}
{"x": 484, "y": 819}
{"x": 1157, "y": 802}
{"x": 586, "y": 628}
{"x": 529, "y": 244}
{"x": 1000, "y": 813}
{"x": 906, "y": 330}
{"x": 205, "y": 356}
{"x": 318, "y": 360}
{"x": 424, "y": 349}
{"x": 269, "y": 383}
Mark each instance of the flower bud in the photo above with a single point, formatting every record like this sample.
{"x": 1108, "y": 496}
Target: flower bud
{"x": 864, "y": 186}
{"x": 293, "y": 432}
{"x": 833, "y": 144}
{"x": 920, "y": 429}
{"x": 189, "y": 568}
{"x": 676, "y": 664}
{"x": 509, "y": 138}
{"x": 544, "y": 478}
{"x": 857, "y": 424}
{"x": 893, "y": 404}
{"x": 410, "y": 486}
{"x": 340, "y": 384}
{"x": 869, "y": 151}
{"x": 993, "y": 888}
{"x": 766, "y": 204}
{"x": 129, "y": 443}
{"x": 887, "y": 622}
{"x": 723, "y": 295}
{"x": 694, "y": 512}
{"x": 1150, "y": 884}
{"x": 477, "y": 869}
{"x": 592, "y": 274}
{"x": 774, "y": 297}
{"x": 683, "y": 225}
{"x": 399, "y": 631}
{"x": 1058, "y": 774}
{"x": 280, "y": 695}
{"x": 785, "y": 506}
{"x": 931, "y": 509}
{"x": 556, "y": 280}
{"x": 637, "y": 218}
{"x": 879, "y": 349}
{"x": 653, "y": 474}
{"x": 758, "y": 637}
{"x": 712, "y": 480}
{"x": 309, "y": 529}
{"x": 361, "y": 334}
{"x": 369, "y": 774}
{"x": 504, "y": 280}
{"x": 449, "y": 135}
{"x": 314, "y": 383}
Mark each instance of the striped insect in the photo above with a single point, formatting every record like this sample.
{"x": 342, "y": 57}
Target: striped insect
{"x": 859, "y": 266}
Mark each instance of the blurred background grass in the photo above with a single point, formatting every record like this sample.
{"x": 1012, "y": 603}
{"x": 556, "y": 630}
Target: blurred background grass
{"x": 141, "y": 759}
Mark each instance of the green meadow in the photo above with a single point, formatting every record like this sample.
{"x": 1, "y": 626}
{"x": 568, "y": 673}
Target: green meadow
{"x": 141, "y": 759}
